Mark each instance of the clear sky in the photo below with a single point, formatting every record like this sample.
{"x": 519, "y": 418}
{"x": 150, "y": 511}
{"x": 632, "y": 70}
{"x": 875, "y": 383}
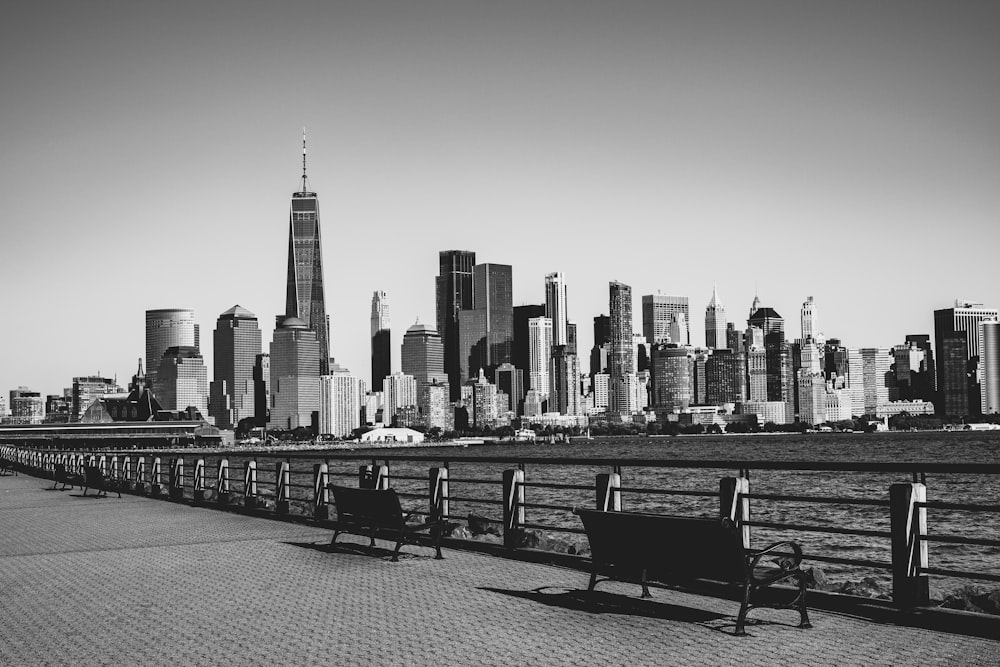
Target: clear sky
{"x": 844, "y": 150}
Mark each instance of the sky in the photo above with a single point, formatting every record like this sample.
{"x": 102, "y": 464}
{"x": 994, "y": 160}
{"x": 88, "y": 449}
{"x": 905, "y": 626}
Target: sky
{"x": 848, "y": 151}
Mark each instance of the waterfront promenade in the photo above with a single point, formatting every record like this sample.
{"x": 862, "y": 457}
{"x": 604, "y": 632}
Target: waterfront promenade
{"x": 87, "y": 581}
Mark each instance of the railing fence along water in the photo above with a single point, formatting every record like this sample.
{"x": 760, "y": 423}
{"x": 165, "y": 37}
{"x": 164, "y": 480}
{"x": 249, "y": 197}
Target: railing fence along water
{"x": 501, "y": 492}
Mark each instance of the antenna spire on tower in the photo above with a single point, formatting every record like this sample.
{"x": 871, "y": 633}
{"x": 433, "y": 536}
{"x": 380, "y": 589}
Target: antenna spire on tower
{"x": 304, "y": 188}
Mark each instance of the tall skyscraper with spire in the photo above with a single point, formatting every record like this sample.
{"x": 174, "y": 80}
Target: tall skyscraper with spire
{"x": 305, "y": 298}
{"x": 715, "y": 322}
{"x": 381, "y": 346}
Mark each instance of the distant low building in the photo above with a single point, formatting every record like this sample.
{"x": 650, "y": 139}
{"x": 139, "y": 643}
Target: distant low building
{"x": 392, "y": 435}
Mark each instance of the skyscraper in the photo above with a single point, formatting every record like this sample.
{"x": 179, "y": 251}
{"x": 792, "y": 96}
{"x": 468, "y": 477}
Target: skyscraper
{"x": 422, "y": 355}
{"x": 453, "y": 293}
{"x": 540, "y": 352}
{"x": 520, "y": 353}
{"x": 658, "y": 311}
{"x": 183, "y": 380}
{"x": 715, "y": 323}
{"x": 381, "y": 344}
{"x": 989, "y": 366}
{"x": 486, "y": 332}
{"x": 294, "y": 375}
{"x": 810, "y": 320}
{"x": 773, "y": 327}
{"x": 564, "y": 381}
{"x": 236, "y": 344}
{"x": 340, "y": 396}
{"x": 555, "y": 305}
{"x": 962, "y": 321}
{"x": 621, "y": 360}
{"x": 304, "y": 296}
{"x": 165, "y": 328}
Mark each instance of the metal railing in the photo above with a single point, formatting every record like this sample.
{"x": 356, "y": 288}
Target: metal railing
{"x": 885, "y": 513}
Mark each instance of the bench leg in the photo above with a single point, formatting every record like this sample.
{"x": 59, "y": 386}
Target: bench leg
{"x": 645, "y": 587}
{"x": 593, "y": 580}
{"x": 803, "y": 612}
{"x": 437, "y": 543}
{"x": 741, "y": 620}
{"x": 335, "y": 534}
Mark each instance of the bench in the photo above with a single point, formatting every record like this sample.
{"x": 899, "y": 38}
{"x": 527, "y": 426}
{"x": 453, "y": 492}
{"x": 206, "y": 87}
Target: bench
{"x": 639, "y": 547}
{"x": 371, "y": 511}
{"x": 93, "y": 478}
{"x": 61, "y": 476}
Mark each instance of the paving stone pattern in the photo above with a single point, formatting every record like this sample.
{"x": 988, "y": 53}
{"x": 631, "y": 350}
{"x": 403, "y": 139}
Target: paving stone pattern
{"x": 136, "y": 581}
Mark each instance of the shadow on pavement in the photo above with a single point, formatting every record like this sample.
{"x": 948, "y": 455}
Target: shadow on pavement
{"x": 597, "y": 602}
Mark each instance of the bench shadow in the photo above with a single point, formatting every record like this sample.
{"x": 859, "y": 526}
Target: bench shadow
{"x": 353, "y": 548}
{"x": 598, "y": 602}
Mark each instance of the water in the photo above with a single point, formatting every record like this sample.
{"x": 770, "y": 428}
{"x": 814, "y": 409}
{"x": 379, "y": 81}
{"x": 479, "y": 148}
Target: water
{"x": 930, "y": 447}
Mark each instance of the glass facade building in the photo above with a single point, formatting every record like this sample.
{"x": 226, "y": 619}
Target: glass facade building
{"x": 236, "y": 344}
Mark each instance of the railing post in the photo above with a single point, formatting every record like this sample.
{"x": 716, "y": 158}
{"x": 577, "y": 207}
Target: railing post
{"x": 609, "y": 495}
{"x": 156, "y": 477}
{"x": 908, "y": 522}
{"x": 250, "y": 484}
{"x": 321, "y": 491}
{"x": 114, "y": 471}
{"x": 513, "y": 508}
{"x": 102, "y": 464}
{"x": 177, "y": 479}
{"x": 140, "y": 474}
{"x": 222, "y": 484}
{"x": 282, "y": 478}
{"x": 127, "y": 480}
{"x": 439, "y": 510}
{"x": 373, "y": 477}
{"x": 735, "y": 505}
{"x": 198, "y": 482}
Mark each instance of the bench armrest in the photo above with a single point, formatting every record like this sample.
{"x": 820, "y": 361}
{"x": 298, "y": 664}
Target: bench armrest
{"x": 787, "y": 564}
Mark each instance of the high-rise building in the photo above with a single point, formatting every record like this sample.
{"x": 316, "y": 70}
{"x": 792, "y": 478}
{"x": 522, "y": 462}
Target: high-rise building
{"x": 725, "y": 377}
{"x": 564, "y": 383}
{"x": 510, "y": 382}
{"x": 493, "y": 332}
{"x": 658, "y": 311}
{"x": 950, "y": 323}
{"x": 989, "y": 366}
{"x": 809, "y": 318}
{"x": 555, "y": 305}
{"x": 340, "y": 402}
{"x": 294, "y": 360}
{"x": 381, "y": 343}
{"x": 715, "y": 323}
{"x": 261, "y": 388}
{"x": 539, "y": 353}
{"x": 672, "y": 377}
{"x": 165, "y": 328}
{"x": 773, "y": 327}
{"x": 572, "y": 339}
{"x": 422, "y": 355}
{"x": 483, "y": 401}
{"x": 88, "y": 389}
{"x": 868, "y": 376}
{"x": 183, "y": 380}
{"x": 914, "y": 361}
{"x": 520, "y": 354}
{"x": 399, "y": 391}
{"x": 621, "y": 359}
{"x": 602, "y": 337}
{"x": 26, "y": 406}
{"x": 453, "y": 293}
{"x": 305, "y": 298}
{"x": 435, "y": 406}
{"x": 236, "y": 344}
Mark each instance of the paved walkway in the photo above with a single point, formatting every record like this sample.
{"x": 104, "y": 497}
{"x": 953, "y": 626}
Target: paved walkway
{"x": 134, "y": 581}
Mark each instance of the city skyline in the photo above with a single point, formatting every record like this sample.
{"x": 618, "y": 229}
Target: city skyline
{"x": 836, "y": 152}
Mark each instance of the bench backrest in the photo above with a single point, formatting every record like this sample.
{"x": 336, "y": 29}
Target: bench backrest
{"x": 373, "y": 507}
{"x": 60, "y": 471}
{"x": 666, "y": 546}
{"x": 93, "y": 477}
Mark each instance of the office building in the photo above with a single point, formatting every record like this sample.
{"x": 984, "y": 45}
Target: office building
{"x": 520, "y": 351}
{"x": 380, "y": 338}
{"x": 305, "y": 298}
{"x": 621, "y": 358}
{"x": 435, "y": 406}
{"x": 772, "y": 326}
{"x": 483, "y": 400}
{"x": 914, "y": 361}
{"x": 236, "y": 345}
{"x": 340, "y": 403}
{"x": 510, "y": 381}
{"x": 399, "y": 391}
{"x": 564, "y": 384}
{"x": 539, "y": 354}
{"x": 182, "y": 378}
{"x": 715, "y": 323}
{"x": 422, "y": 355}
{"x": 165, "y": 328}
{"x": 86, "y": 390}
{"x": 658, "y": 312}
{"x": 602, "y": 338}
{"x": 294, "y": 361}
{"x": 672, "y": 377}
{"x": 555, "y": 306}
{"x": 261, "y": 388}
{"x": 486, "y": 333}
{"x": 867, "y": 375}
{"x": 26, "y": 406}
{"x": 989, "y": 366}
{"x": 809, "y": 317}
{"x": 453, "y": 293}
{"x": 962, "y": 321}
{"x": 725, "y": 380}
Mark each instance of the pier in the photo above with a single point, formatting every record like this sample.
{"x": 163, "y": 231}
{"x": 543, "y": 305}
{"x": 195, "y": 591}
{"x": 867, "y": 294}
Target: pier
{"x": 88, "y": 580}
